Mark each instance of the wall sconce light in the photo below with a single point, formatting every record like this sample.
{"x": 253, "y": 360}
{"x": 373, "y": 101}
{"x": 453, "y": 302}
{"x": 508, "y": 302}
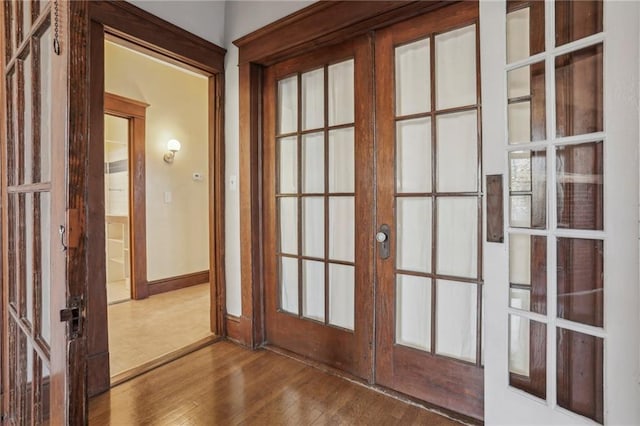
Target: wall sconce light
{"x": 173, "y": 146}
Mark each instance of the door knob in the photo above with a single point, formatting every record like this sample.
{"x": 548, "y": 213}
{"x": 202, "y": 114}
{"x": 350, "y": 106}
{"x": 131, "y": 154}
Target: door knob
{"x": 384, "y": 241}
{"x": 381, "y": 237}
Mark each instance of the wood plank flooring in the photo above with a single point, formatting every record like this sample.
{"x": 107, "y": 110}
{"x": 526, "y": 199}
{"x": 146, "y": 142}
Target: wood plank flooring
{"x": 144, "y": 330}
{"x": 225, "y": 384}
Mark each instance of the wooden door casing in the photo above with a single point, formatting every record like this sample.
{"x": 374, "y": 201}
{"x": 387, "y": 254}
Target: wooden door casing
{"x": 350, "y": 351}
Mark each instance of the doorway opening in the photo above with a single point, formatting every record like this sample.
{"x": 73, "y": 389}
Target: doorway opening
{"x": 156, "y": 208}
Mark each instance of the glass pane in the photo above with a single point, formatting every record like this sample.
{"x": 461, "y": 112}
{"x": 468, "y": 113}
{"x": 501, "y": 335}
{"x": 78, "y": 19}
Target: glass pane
{"x": 580, "y": 374}
{"x": 341, "y": 228}
{"x": 28, "y": 384}
{"x": 313, "y": 290}
{"x": 456, "y": 68}
{"x": 28, "y": 121}
{"x": 12, "y": 248}
{"x": 413, "y": 155}
{"x": 288, "y": 209}
{"x": 413, "y": 81}
{"x": 526, "y": 111}
{"x": 26, "y": 18}
{"x": 341, "y": 89}
{"x": 29, "y": 241}
{"x": 313, "y": 163}
{"x": 457, "y": 151}
{"x": 8, "y": 23}
{"x": 528, "y": 355}
{"x": 413, "y": 311}
{"x": 12, "y": 132}
{"x": 457, "y": 248}
{"x": 456, "y": 320}
{"x": 45, "y": 105}
{"x": 341, "y": 296}
{"x": 414, "y": 234}
{"x": 313, "y": 227}
{"x": 289, "y": 285}
{"x": 313, "y": 99}
{"x": 579, "y": 186}
{"x": 579, "y": 92}
{"x": 288, "y": 105}
{"x": 45, "y": 407}
{"x": 288, "y": 165}
{"x": 528, "y": 272}
{"x": 580, "y": 280}
{"x": 525, "y": 30}
{"x": 577, "y": 19}
{"x": 341, "y": 160}
{"x": 528, "y": 189}
{"x": 45, "y": 263}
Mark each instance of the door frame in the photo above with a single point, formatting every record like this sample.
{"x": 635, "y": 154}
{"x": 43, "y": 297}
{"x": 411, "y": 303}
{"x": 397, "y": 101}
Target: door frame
{"x": 286, "y": 38}
{"x": 135, "y": 113}
{"x": 156, "y": 37}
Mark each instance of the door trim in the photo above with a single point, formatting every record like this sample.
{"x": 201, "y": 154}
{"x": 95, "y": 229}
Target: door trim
{"x": 135, "y": 113}
{"x": 142, "y": 31}
{"x": 288, "y": 37}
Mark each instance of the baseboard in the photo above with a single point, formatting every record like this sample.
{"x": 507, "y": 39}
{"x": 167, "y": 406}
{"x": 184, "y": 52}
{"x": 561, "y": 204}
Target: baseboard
{"x": 97, "y": 373}
{"x": 176, "y": 283}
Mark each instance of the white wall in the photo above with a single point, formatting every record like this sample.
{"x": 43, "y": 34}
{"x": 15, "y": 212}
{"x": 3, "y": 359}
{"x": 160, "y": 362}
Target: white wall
{"x": 202, "y": 18}
{"x": 177, "y": 232}
{"x": 241, "y": 18}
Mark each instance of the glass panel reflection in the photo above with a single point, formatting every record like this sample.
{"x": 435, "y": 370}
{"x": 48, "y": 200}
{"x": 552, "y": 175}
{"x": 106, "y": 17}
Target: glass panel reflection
{"x": 341, "y": 228}
{"x": 413, "y": 80}
{"x": 341, "y": 160}
{"x": 580, "y": 195}
{"x": 580, "y": 280}
{"x": 414, "y": 234}
{"x": 45, "y": 105}
{"x": 456, "y": 68}
{"x": 580, "y": 373}
{"x": 528, "y": 272}
{"x": 289, "y": 285}
{"x": 29, "y": 242}
{"x": 341, "y": 93}
{"x": 577, "y": 19}
{"x": 313, "y": 227}
{"x": 457, "y": 152}
{"x": 579, "y": 92}
{"x": 457, "y": 247}
{"x": 45, "y": 263}
{"x": 528, "y": 355}
{"x": 526, "y": 104}
{"x": 288, "y": 105}
{"x": 413, "y": 155}
{"x": 341, "y": 296}
{"x": 525, "y": 29}
{"x": 313, "y": 163}
{"x": 413, "y": 311}
{"x": 288, "y": 224}
{"x": 527, "y": 189}
{"x": 313, "y": 289}
{"x": 456, "y": 320}
{"x": 28, "y": 121}
{"x": 288, "y": 165}
{"x": 313, "y": 99}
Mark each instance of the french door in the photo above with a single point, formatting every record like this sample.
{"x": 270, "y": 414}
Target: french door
{"x": 318, "y": 155}
{"x": 322, "y": 227}
{"x": 34, "y": 342}
{"x": 429, "y": 195}
{"x": 562, "y": 291}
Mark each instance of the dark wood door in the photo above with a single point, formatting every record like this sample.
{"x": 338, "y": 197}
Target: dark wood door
{"x": 429, "y": 290}
{"x": 318, "y": 207}
{"x": 35, "y": 377}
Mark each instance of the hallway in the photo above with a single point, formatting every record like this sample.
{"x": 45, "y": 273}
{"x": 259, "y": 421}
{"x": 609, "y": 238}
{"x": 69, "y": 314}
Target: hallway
{"x": 226, "y": 384}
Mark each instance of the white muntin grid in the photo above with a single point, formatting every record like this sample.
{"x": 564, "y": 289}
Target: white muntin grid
{"x": 551, "y": 231}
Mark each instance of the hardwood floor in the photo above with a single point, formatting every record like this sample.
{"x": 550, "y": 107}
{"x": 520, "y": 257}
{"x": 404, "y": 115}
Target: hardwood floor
{"x": 227, "y": 384}
{"x": 141, "y": 331}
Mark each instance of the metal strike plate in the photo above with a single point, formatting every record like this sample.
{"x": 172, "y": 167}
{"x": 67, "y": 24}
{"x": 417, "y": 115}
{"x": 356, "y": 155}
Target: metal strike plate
{"x": 495, "y": 209}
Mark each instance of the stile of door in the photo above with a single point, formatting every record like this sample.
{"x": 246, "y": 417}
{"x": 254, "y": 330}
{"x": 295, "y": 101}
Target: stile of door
{"x": 33, "y": 358}
{"x": 429, "y": 290}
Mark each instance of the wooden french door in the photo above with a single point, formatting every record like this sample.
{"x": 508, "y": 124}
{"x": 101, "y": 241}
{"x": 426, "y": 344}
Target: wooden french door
{"x": 322, "y": 224}
{"x": 429, "y": 194}
{"x": 34, "y": 233}
{"x": 318, "y": 249}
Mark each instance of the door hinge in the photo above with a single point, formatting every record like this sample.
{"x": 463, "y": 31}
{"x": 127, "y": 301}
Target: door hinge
{"x": 72, "y": 315}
